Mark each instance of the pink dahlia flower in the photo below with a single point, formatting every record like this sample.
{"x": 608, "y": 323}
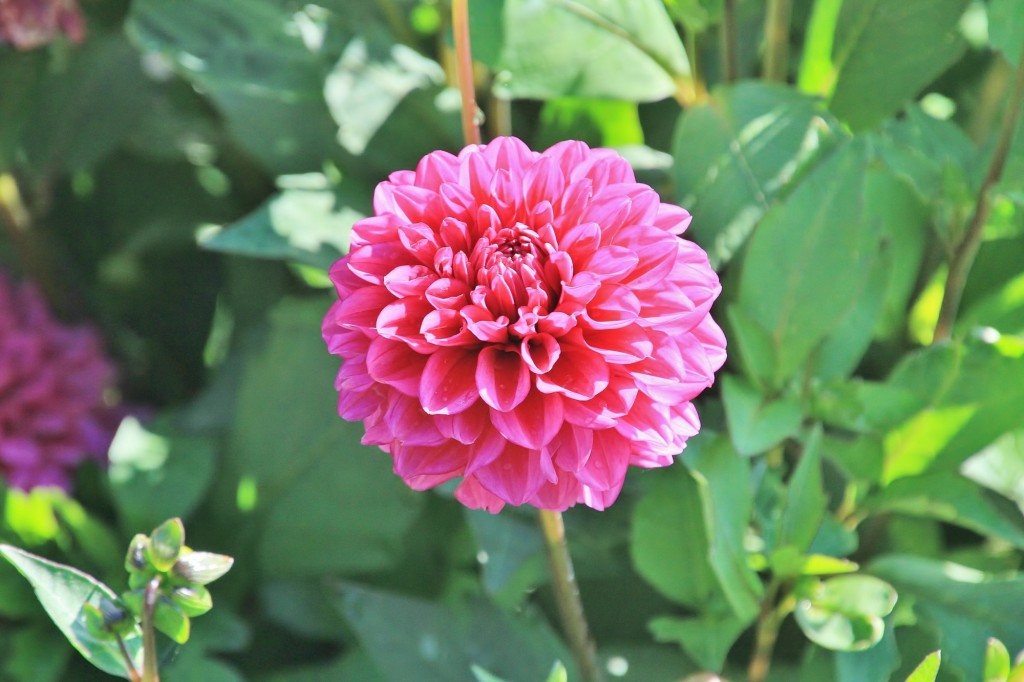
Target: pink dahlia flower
{"x": 27, "y": 24}
{"x": 531, "y": 322}
{"x": 52, "y": 384}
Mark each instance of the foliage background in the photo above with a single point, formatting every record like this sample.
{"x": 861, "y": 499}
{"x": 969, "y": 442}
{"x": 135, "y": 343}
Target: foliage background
{"x": 192, "y": 168}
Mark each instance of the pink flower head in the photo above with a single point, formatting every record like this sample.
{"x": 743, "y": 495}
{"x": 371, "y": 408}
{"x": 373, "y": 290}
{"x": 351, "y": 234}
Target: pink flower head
{"x": 52, "y": 381}
{"x": 531, "y": 322}
{"x": 27, "y": 24}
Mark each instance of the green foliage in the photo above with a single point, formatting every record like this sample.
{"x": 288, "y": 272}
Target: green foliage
{"x": 191, "y": 171}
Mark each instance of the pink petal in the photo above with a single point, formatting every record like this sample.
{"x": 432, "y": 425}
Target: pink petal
{"x": 466, "y": 426}
{"x": 395, "y": 364}
{"x": 410, "y": 425}
{"x": 475, "y": 496}
{"x": 402, "y": 320}
{"x": 579, "y": 374}
{"x": 540, "y": 352}
{"x": 619, "y": 346}
{"x": 533, "y": 423}
{"x": 502, "y": 377}
{"x": 613, "y": 307}
{"x": 420, "y": 460}
{"x": 515, "y": 476}
{"x": 446, "y": 328}
{"x": 409, "y": 280}
{"x": 448, "y": 385}
{"x": 609, "y": 458}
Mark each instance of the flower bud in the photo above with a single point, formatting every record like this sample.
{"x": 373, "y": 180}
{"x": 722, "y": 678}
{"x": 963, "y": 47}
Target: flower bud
{"x": 169, "y": 620}
{"x": 135, "y": 561}
{"x": 201, "y": 568}
{"x": 193, "y": 600}
{"x": 165, "y": 544}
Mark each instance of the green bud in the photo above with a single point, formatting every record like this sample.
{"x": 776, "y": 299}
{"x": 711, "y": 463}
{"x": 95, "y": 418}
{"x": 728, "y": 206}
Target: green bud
{"x": 201, "y": 568}
{"x": 194, "y": 600}
{"x": 169, "y": 620}
{"x": 135, "y": 560}
{"x": 95, "y": 624}
{"x": 165, "y": 544}
{"x": 134, "y": 601}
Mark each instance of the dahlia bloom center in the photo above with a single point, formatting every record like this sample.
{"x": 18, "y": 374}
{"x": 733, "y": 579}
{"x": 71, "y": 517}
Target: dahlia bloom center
{"x": 531, "y": 322}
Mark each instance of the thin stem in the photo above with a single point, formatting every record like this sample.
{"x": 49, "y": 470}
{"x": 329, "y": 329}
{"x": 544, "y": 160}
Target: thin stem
{"x": 776, "y": 37}
{"x": 133, "y": 674}
{"x": 464, "y": 70}
{"x": 149, "y": 654}
{"x": 967, "y": 249}
{"x": 700, "y": 90}
{"x": 567, "y": 596}
{"x": 768, "y": 622}
{"x": 730, "y": 53}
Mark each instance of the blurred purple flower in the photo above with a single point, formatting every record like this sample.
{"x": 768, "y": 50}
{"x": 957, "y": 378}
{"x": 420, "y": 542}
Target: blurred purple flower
{"x": 53, "y": 381}
{"x": 28, "y": 24}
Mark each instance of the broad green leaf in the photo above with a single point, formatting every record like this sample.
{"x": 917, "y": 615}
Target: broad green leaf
{"x": 789, "y": 562}
{"x": 367, "y": 83}
{"x": 965, "y": 606}
{"x": 308, "y": 221}
{"x": 696, "y": 15}
{"x": 800, "y": 275}
{"x": 414, "y": 639}
{"x": 669, "y": 540}
{"x": 911, "y": 42}
{"x": 1006, "y": 28}
{"x": 845, "y": 613}
{"x": 62, "y": 591}
{"x": 911, "y": 448}
{"x": 511, "y": 552}
{"x": 617, "y": 49}
{"x": 723, "y": 479}
{"x": 327, "y": 503}
{"x": 737, "y": 154}
{"x": 947, "y": 496}
{"x": 757, "y": 423}
{"x": 598, "y": 122}
{"x": 157, "y": 474}
{"x": 707, "y": 638}
{"x": 871, "y": 665}
{"x": 997, "y": 662}
{"x": 756, "y": 349}
{"x": 928, "y": 669}
{"x": 248, "y": 56}
{"x": 1000, "y": 467}
{"x": 806, "y": 502}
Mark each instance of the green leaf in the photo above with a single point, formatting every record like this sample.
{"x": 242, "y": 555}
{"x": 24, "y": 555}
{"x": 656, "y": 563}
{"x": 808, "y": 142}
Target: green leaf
{"x": 62, "y": 591}
{"x": 1006, "y": 28}
{"x": 802, "y": 297}
{"x": 413, "y": 639}
{"x": 876, "y": 664}
{"x": 723, "y": 479}
{"x": 737, "y": 154}
{"x": 156, "y": 473}
{"x": 598, "y": 122}
{"x": 511, "y": 552}
{"x": 169, "y": 620}
{"x": 615, "y": 49}
{"x": 669, "y": 540}
{"x": 947, "y": 496}
{"x": 965, "y": 606}
{"x": 707, "y": 638}
{"x": 789, "y": 562}
{"x": 248, "y": 56}
{"x": 756, "y": 350}
{"x": 314, "y": 476}
{"x": 37, "y": 653}
{"x": 997, "y": 662}
{"x": 872, "y": 38}
{"x": 757, "y": 423}
{"x": 928, "y": 669}
{"x": 696, "y": 15}
{"x": 21, "y": 78}
{"x": 845, "y": 613}
{"x": 307, "y": 222}
{"x": 806, "y": 502}
{"x": 1000, "y": 467}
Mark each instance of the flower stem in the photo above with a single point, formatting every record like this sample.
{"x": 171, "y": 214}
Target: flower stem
{"x": 730, "y": 49}
{"x": 967, "y": 249}
{"x": 567, "y": 596}
{"x": 768, "y": 622}
{"x": 149, "y": 655}
{"x": 776, "y": 34}
{"x": 464, "y": 70}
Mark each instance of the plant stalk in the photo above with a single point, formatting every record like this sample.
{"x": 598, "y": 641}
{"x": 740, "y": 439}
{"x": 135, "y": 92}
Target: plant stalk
{"x": 730, "y": 49}
{"x": 776, "y": 37}
{"x": 149, "y": 654}
{"x": 133, "y": 674}
{"x": 567, "y": 596}
{"x": 767, "y": 632}
{"x": 967, "y": 250}
{"x": 464, "y": 70}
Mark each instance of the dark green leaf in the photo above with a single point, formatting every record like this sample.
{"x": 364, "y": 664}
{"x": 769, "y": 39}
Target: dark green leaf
{"x": 38, "y": 654}
{"x": 737, "y": 154}
{"x": 511, "y": 552}
{"x": 618, "y": 49}
{"x": 871, "y": 665}
{"x": 1006, "y": 28}
{"x": 806, "y": 502}
{"x": 872, "y": 38}
{"x": 757, "y": 423}
{"x": 707, "y": 638}
{"x": 62, "y": 591}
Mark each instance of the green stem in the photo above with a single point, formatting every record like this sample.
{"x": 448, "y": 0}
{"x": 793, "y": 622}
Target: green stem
{"x": 967, "y": 249}
{"x": 133, "y": 674}
{"x": 464, "y": 70}
{"x": 767, "y": 632}
{"x": 776, "y": 36}
{"x": 567, "y": 596}
{"x": 817, "y": 71}
{"x": 730, "y": 49}
{"x": 149, "y": 653}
